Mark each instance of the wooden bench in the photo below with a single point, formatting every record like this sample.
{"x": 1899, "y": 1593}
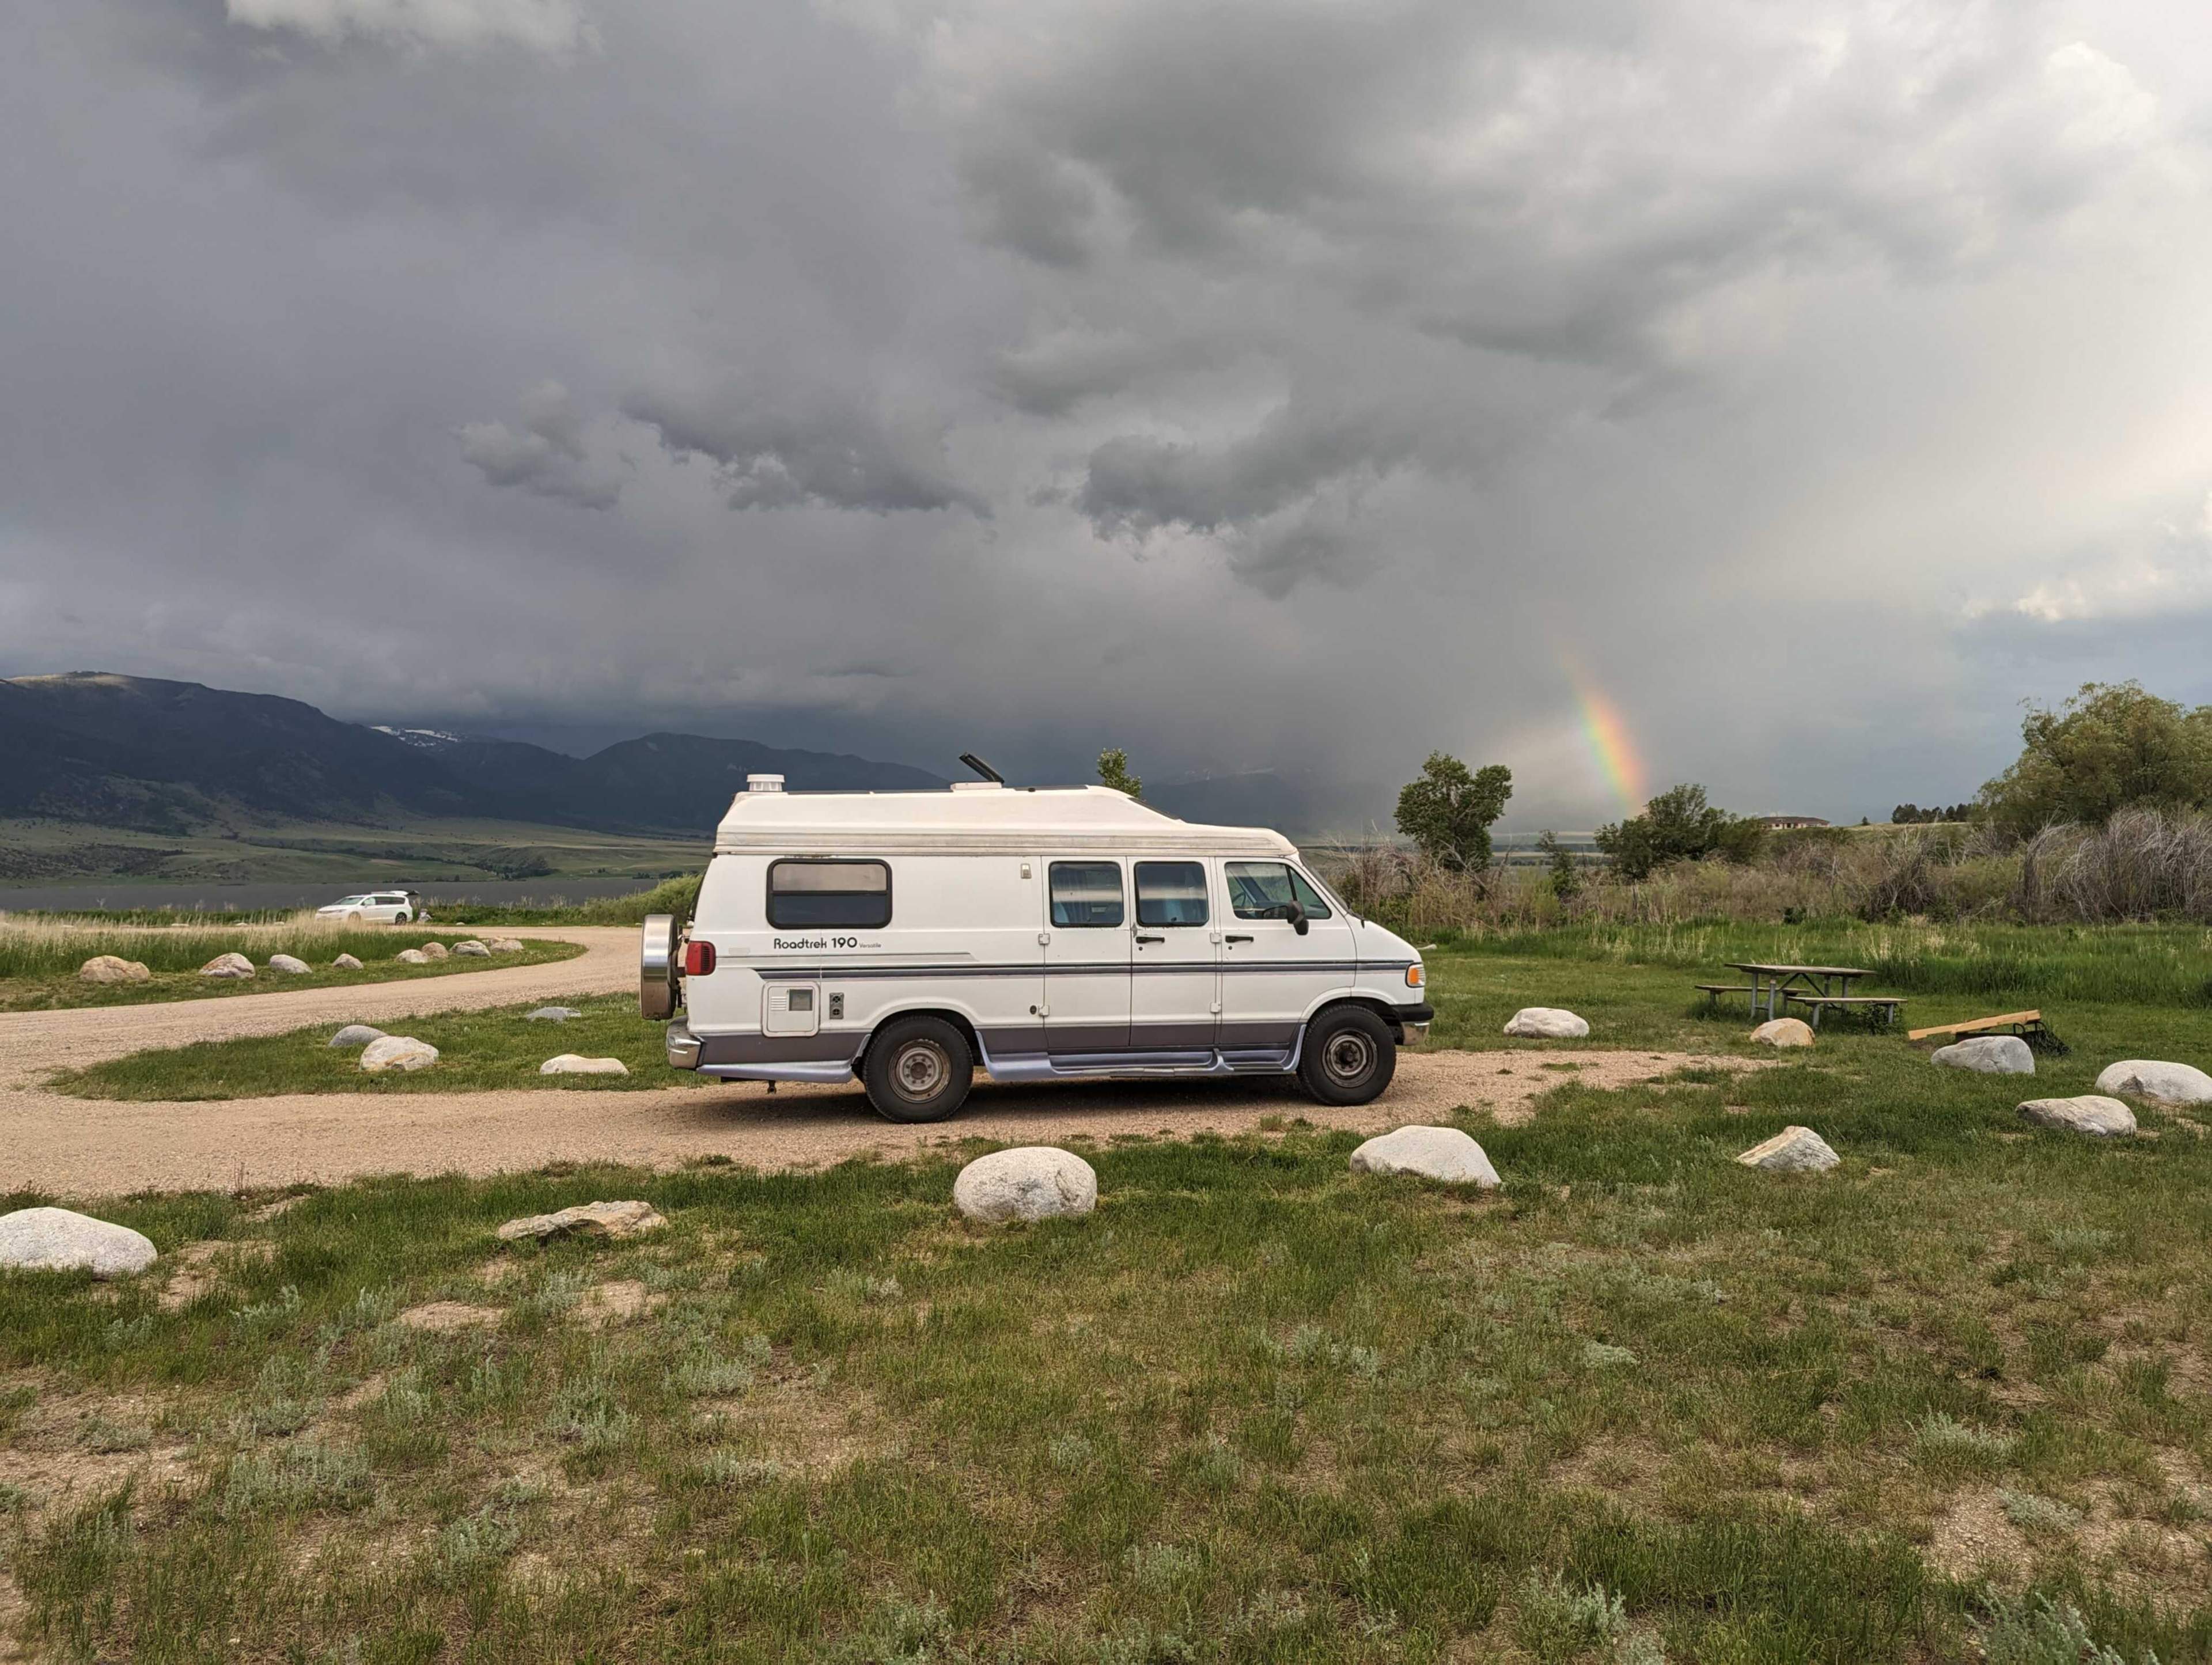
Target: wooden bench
{"x": 1881, "y": 1006}
{"x": 2028, "y": 1025}
{"x": 2020, "y": 1022}
{"x": 1712, "y": 992}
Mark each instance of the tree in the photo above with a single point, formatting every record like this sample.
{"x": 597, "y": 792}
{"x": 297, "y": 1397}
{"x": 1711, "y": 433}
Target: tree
{"x": 1678, "y": 825}
{"x": 1114, "y": 771}
{"x": 1448, "y": 812}
{"x": 2111, "y": 746}
{"x": 1566, "y": 876}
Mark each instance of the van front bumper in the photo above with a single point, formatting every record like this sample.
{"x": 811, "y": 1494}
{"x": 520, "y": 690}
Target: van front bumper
{"x": 1413, "y": 1022}
{"x": 683, "y": 1046}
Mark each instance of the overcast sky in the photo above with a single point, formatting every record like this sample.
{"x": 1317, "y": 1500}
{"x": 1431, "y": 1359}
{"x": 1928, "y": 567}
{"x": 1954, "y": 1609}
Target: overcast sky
{"x": 1284, "y": 386}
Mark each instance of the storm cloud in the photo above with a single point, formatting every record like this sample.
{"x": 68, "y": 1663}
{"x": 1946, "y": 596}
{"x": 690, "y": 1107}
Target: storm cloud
{"x": 1298, "y": 385}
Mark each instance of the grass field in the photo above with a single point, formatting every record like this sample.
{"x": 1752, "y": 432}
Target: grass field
{"x": 406, "y": 851}
{"x": 38, "y": 959}
{"x": 1951, "y": 1401}
{"x": 494, "y": 1048}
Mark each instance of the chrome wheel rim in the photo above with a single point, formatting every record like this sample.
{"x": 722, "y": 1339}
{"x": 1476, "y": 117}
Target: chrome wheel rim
{"x": 1348, "y": 1057}
{"x": 920, "y": 1070}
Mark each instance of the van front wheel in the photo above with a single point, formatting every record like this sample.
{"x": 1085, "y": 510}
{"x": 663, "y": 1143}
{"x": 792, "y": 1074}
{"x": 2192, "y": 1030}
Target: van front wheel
{"x": 918, "y": 1069}
{"x": 1349, "y": 1056}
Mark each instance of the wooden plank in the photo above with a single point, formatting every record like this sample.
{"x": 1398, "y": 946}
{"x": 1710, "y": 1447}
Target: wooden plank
{"x": 1973, "y": 1024}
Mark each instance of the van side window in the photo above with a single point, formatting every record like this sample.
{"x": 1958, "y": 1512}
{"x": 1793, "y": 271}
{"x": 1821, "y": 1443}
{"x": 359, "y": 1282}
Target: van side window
{"x": 1264, "y": 889}
{"x": 1170, "y": 893}
{"x": 1086, "y": 893}
{"x": 804, "y": 892}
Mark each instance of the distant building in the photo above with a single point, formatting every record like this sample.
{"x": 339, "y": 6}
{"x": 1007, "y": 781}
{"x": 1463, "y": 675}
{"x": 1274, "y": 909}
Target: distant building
{"x": 1789, "y": 820}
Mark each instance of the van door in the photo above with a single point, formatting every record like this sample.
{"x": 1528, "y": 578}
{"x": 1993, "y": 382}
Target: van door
{"x": 1271, "y": 975}
{"x": 1086, "y": 957}
{"x": 1175, "y": 974}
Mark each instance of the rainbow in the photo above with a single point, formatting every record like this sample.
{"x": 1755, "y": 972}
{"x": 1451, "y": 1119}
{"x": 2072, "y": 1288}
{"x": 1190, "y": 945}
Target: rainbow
{"x": 1611, "y": 748}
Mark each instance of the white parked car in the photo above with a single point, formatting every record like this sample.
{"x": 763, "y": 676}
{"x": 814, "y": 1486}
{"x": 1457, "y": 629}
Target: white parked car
{"x": 909, "y": 938}
{"x": 377, "y": 908}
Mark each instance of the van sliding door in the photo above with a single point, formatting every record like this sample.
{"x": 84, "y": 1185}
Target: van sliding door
{"x": 1087, "y": 958}
{"x": 1175, "y": 987}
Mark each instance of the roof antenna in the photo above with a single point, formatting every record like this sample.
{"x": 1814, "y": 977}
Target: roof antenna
{"x": 982, "y": 768}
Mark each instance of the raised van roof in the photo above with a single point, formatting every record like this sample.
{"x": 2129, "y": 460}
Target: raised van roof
{"x": 979, "y": 815}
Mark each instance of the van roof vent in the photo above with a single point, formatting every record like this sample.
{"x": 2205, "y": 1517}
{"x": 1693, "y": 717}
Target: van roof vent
{"x": 764, "y": 783}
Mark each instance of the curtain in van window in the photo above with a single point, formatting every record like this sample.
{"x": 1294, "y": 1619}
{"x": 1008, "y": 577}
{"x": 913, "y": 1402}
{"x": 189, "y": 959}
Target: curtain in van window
{"x": 1086, "y": 893}
{"x": 806, "y": 893}
{"x": 1170, "y": 893}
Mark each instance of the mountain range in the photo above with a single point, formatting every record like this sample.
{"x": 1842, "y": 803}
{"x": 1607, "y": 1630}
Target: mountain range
{"x": 178, "y": 758}
{"x": 171, "y": 758}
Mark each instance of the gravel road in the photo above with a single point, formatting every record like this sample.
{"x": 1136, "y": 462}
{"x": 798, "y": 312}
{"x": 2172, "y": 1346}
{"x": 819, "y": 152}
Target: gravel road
{"x": 83, "y": 1148}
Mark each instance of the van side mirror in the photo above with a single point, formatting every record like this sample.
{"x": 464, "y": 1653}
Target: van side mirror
{"x": 1299, "y": 917}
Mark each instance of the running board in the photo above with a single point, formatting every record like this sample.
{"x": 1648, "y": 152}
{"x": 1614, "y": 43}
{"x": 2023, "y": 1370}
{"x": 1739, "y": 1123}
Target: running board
{"x": 1042, "y": 1067}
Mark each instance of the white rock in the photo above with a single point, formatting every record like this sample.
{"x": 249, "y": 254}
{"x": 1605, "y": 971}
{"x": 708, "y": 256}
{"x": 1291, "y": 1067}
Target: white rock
{"x": 569, "y": 1063}
{"x": 113, "y": 969}
{"x": 2143, "y": 1078}
{"x": 411, "y": 957}
{"x": 1784, "y": 1032}
{"x": 505, "y": 945}
{"x": 470, "y": 948}
{"x": 1033, "y": 1182}
{"x": 552, "y": 1014}
{"x": 357, "y": 1035}
{"x": 1792, "y": 1151}
{"x": 1546, "y": 1023}
{"x": 1438, "y": 1154}
{"x": 1989, "y": 1054}
{"x": 290, "y": 965}
{"x": 345, "y": 963}
{"x": 397, "y": 1052}
{"x": 2099, "y": 1118}
{"x": 595, "y": 1220}
{"x": 434, "y": 950}
{"x": 228, "y": 965}
{"x": 61, "y": 1240}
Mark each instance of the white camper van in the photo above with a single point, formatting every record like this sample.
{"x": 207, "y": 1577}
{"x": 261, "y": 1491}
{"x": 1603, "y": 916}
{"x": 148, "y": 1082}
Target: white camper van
{"x": 1048, "y": 934}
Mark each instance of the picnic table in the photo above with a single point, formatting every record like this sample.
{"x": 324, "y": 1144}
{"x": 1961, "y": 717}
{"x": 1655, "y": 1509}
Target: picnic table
{"x": 1816, "y": 987}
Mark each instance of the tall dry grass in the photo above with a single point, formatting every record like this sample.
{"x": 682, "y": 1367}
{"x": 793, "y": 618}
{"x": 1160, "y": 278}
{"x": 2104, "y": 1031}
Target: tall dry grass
{"x": 40, "y": 947}
{"x": 2142, "y": 866}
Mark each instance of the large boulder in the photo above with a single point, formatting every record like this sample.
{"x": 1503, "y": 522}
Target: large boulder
{"x": 552, "y": 1014}
{"x": 62, "y": 1239}
{"x": 505, "y": 945}
{"x": 434, "y": 950}
{"x": 113, "y": 969}
{"x": 2143, "y": 1078}
{"x": 397, "y": 1052}
{"x": 1989, "y": 1055}
{"x": 2098, "y": 1117}
{"x": 1437, "y": 1153}
{"x": 1032, "y": 1182}
{"x": 590, "y": 1220}
{"x": 228, "y": 965}
{"x": 569, "y": 1063}
{"x": 1784, "y": 1032}
{"x": 1792, "y": 1151}
{"x": 1545, "y": 1022}
{"x": 345, "y": 963}
{"x": 291, "y": 965}
{"x": 411, "y": 957}
{"x": 471, "y": 948}
{"x": 357, "y": 1035}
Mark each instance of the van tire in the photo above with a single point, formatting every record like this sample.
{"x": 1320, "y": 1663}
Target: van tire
{"x": 918, "y": 1069}
{"x": 1349, "y": 1056}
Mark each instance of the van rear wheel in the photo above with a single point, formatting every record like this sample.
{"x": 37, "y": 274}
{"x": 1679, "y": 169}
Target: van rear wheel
{"x": 918, "y": 1069}
{"x": 1349, "y": 1056}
